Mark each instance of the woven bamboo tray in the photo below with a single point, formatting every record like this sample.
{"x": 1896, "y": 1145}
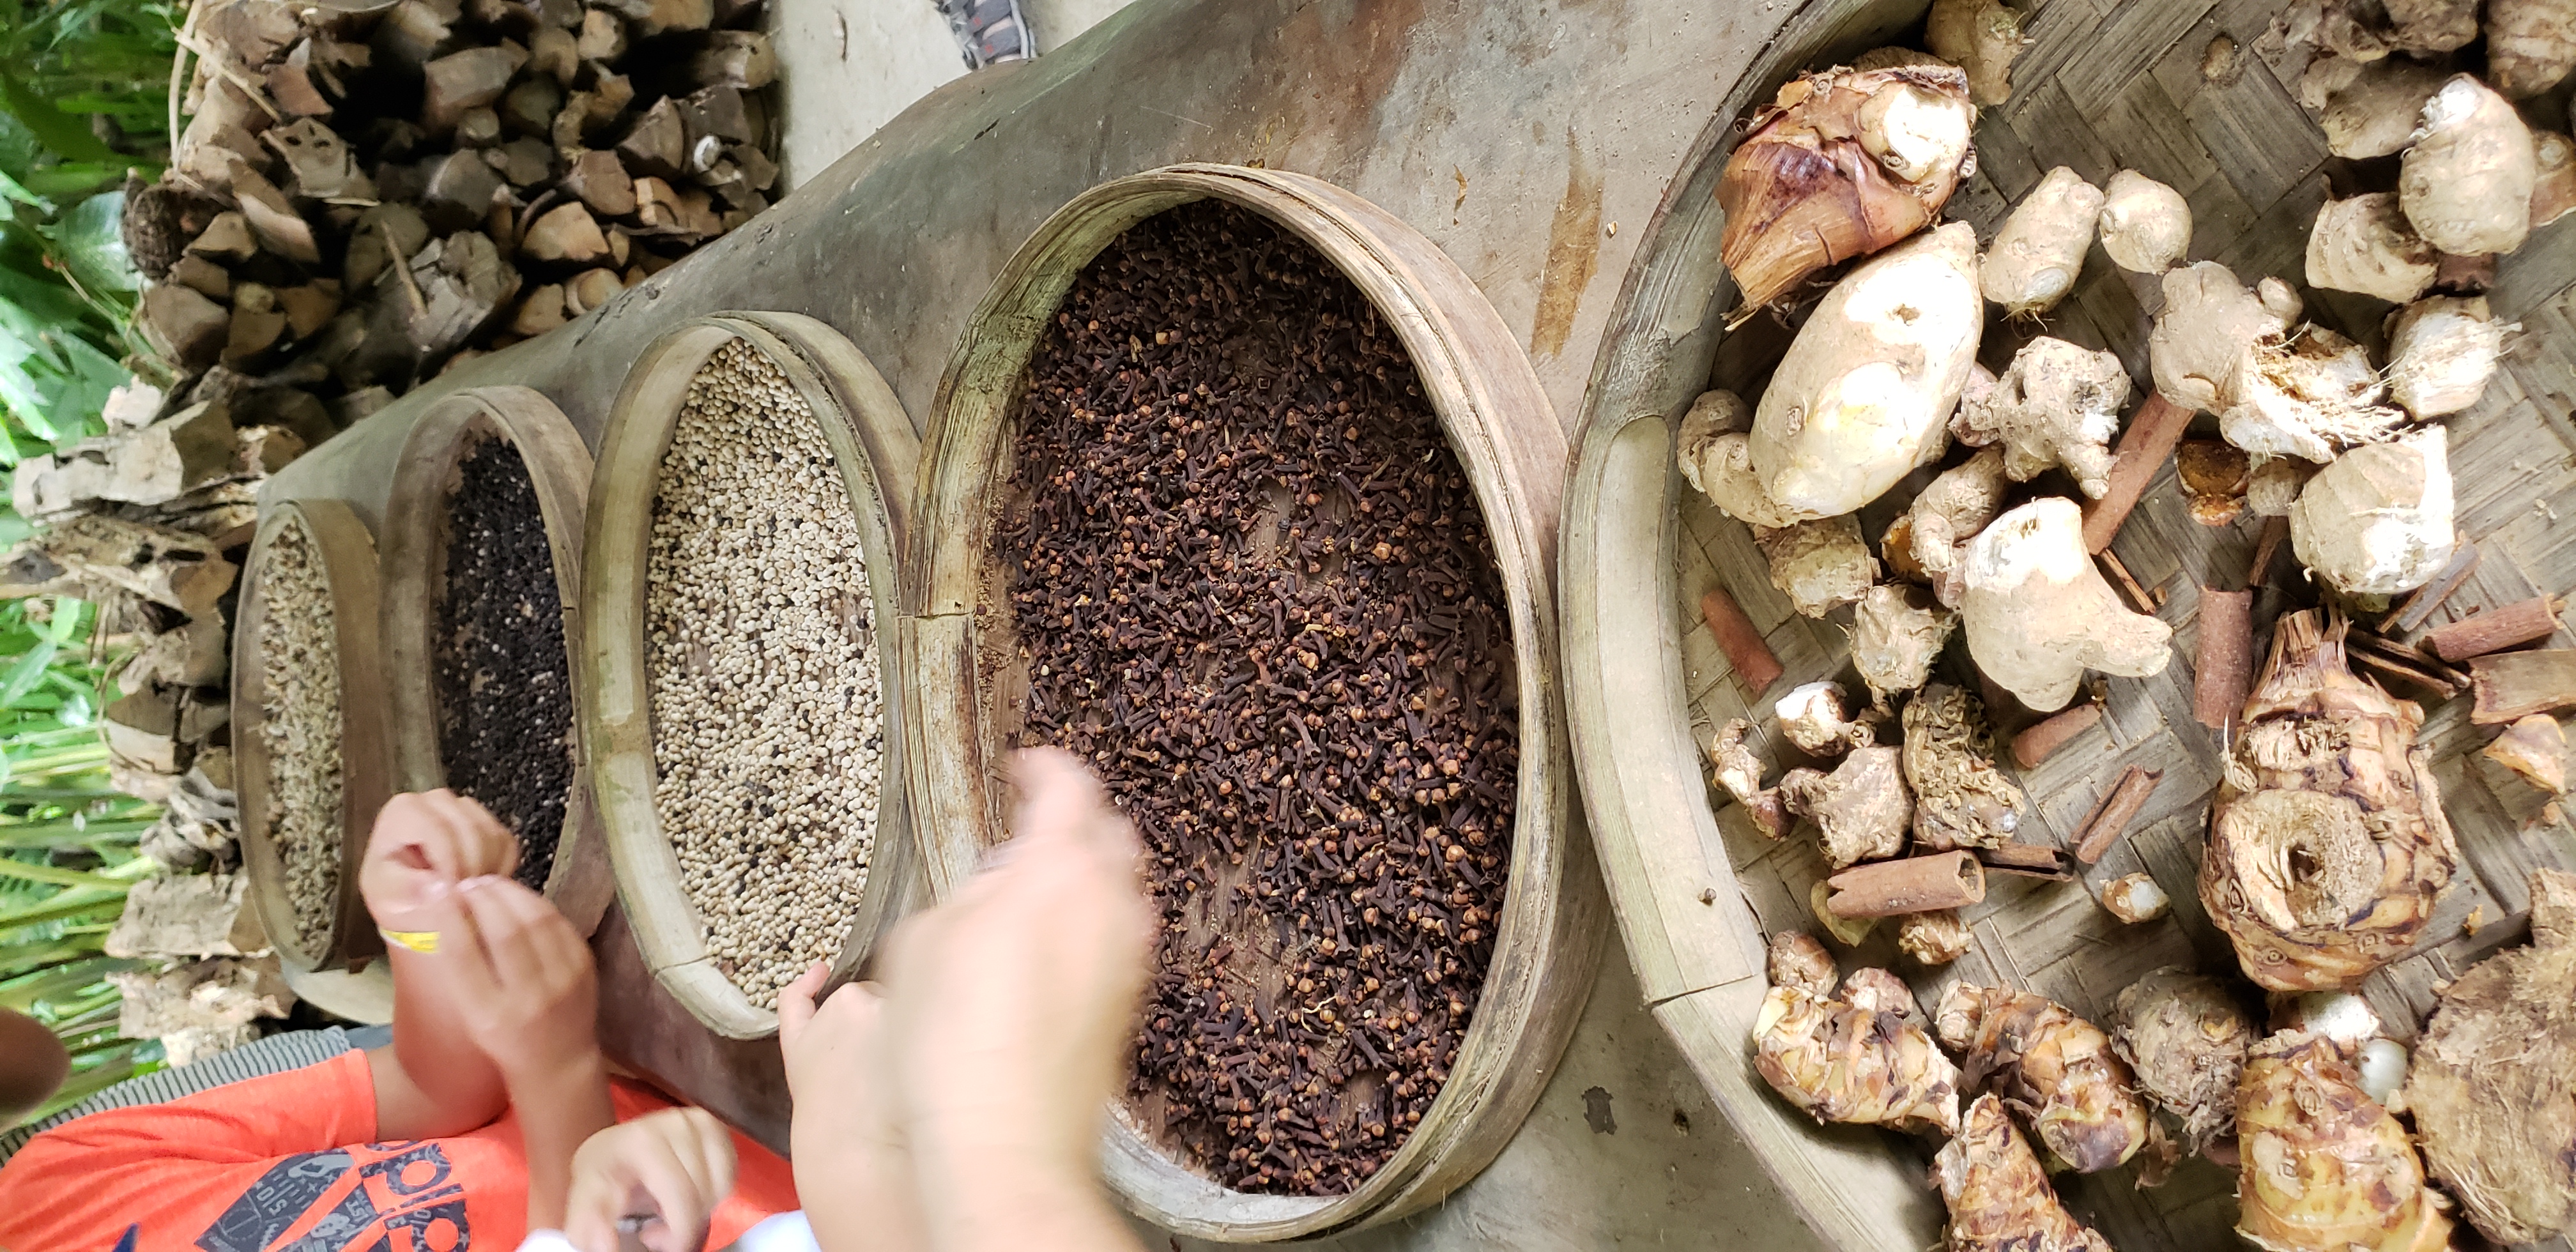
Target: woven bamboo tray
{"x": 1507, "y": 439}
{"x": 873, "y": 444}
{"x": 2106, "y": 85}
{"x": 415, "y": 563}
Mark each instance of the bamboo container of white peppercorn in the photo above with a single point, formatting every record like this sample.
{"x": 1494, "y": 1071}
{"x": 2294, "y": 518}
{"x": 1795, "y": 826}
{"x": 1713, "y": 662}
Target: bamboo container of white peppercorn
{"x": 347, "y": 557}
{"x": 417, "y": 526}
{"x": 875, "y": 449}
{"x": 959, "y": 641}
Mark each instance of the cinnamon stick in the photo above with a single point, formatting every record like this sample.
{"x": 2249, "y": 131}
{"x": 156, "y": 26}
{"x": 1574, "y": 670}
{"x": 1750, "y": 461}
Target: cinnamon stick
{"x": 2029, "y": 860}
{"x": 1919, "y": 884}
{"x": 2496, "y": 629}
{"x": 2513, "y": 685}
{"x": 2405, "y": 664}
{"x": 2222, "y": 666}
{"x": 2153, "y": 431}
{"x": 2112, "y": 814}
{"x": 2275, "y": 529}
{"x": 2419, "y": 607}
{"x": 2042, "y": 741}
{"x": 1740, "y": 640}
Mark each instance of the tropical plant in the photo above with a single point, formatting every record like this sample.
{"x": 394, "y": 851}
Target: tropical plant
{"x": 68, "y": 841}
{"x": 84, "y": 100}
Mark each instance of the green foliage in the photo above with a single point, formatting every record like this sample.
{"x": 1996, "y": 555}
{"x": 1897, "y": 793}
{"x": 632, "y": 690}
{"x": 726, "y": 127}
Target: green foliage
{"x": 67, "y": 841}
{"x": 84, "y": 98}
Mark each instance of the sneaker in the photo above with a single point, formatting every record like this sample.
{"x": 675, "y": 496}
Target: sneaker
{"x": 989, "y": 31}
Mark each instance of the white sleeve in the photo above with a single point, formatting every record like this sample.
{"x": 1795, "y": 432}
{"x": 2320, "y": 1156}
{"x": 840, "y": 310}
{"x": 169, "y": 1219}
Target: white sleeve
{"x": 785, "y": 1232}
{"x": 546, "y": 1241}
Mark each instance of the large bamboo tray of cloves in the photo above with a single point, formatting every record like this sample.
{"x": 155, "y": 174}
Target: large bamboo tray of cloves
{"x": 2063, "y": 608}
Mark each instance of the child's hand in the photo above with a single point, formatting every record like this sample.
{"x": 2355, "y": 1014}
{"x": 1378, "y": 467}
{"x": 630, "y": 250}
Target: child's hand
{"x": 526, "y": 991}
{"x": 675, "y": 1165}
{"x": 1011, "y": 1007}
{"x": 425, "y": 838}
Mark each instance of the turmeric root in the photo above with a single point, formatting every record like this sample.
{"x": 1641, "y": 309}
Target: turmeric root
{"x": 2185, "y": 1037}
{"x": 2201, "y": 334}
{"x": 2531, "y": 45}
{"x": 2327, "y": 843}
{"x": 1998, "y": 1196}
{"x": 1841, "y": 1064}
{"x": 1739, "y": 770}
{"x": 2441, "y": 352}
{"x": 1960, "y": 799}
{"x": 2365, "y": 244}
{"x": 2323, "y": 1167}
{"x": 2055, "y": 1067}
{"x": 2504, "y": 1038}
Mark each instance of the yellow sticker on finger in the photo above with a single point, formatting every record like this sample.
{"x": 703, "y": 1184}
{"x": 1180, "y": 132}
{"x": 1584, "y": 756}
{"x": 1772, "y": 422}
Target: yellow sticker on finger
{"x": 416, "y": 940}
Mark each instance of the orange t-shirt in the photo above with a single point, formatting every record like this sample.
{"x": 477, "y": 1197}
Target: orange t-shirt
{"x": 286, "y": 1161}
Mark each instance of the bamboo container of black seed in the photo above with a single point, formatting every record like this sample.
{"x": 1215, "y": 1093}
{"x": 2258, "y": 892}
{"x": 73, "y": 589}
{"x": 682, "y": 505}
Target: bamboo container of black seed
{"x": 418, "y": 524}
{"x": 875, "y": 449}
{"x": 1496, "y": 419}
{"x": 347, "y": 556}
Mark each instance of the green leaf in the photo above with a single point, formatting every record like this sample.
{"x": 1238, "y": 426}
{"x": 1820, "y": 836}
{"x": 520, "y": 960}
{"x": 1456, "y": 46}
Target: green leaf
{"x": 24, "y": 673}
{"x": 66, "y": 136}
{"x": 89, "y": 241}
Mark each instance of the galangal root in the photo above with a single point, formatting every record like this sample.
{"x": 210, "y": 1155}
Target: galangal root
{"x": 1997, "y": 1193}
{"x": 2327, "y": 843}
{"x": 2324, "y": 1168}
{"x": 2056, "y": 1068}
{"x": 2504, "y": 1038}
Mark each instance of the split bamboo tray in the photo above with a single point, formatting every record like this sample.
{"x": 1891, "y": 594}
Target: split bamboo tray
{"x": 2107, "y": 84}
{"x": 958, "y": 637}
{"x": 415, "y": 565}
{"x": 873, "y": 443}
{"x": 348, "y": 561}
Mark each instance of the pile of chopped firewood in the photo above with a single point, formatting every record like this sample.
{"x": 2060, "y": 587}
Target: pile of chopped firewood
{"x": 363, "y": 198}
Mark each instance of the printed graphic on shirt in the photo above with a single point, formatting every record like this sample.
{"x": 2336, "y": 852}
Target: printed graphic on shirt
{"x": 384, "y": 1197}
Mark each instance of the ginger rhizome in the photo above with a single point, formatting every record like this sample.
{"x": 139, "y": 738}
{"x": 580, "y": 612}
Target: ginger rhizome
{"x": 2146, "y": 225}
{"x": 2327, "y": 844}
{"x": 1897, "y": 632}
{"x": 2201, "y": 335}
{"x": 2056, "y": 404}
{"x": 1935, "y": 529}
{"x": 1981, "y": 37}
{"x": 2039, "y": 249}
{"x": 2039, "y": 614}
{"x": 2466, "y": 182}
{"x": 1860, "y": 810}
{"x": 2378, "y": 520}
{"x": 2056, "y": 1068}
{"x": 1864, "y": 394}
